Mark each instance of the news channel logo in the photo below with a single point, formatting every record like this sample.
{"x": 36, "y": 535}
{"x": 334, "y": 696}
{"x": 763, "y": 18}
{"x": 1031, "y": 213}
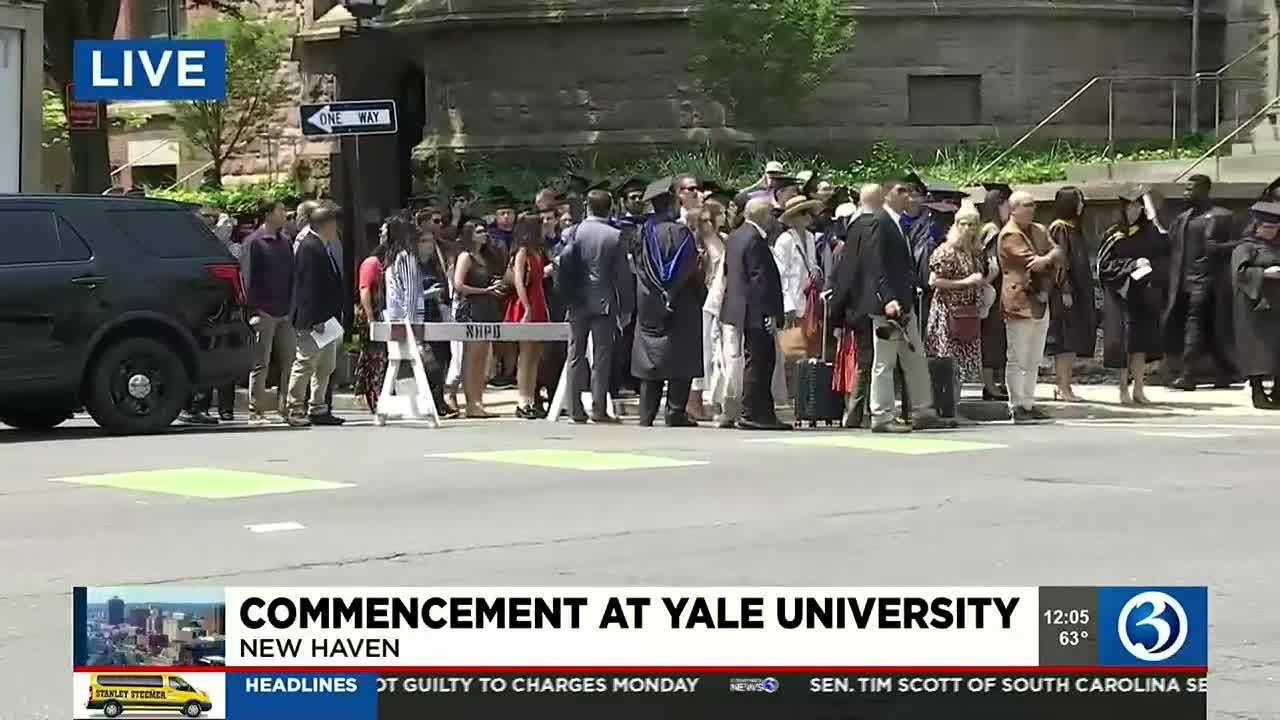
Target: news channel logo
{"x": 753, "y": 685}
{"x": 149, "y": 70}
{"x": 1153, "y": 626}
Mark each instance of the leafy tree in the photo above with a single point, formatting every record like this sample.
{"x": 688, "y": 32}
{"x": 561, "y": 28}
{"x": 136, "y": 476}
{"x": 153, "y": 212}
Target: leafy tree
{"x": 66, "y": 21}
{"x": 762, "y": 57}
{"x": 255, "y": 90}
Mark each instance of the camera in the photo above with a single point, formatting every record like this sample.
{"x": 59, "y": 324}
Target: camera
{"x": 893, "y": 329}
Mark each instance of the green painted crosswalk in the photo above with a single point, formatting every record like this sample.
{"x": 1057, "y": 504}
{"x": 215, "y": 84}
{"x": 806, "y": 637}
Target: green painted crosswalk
{"x": 207, "y": 483}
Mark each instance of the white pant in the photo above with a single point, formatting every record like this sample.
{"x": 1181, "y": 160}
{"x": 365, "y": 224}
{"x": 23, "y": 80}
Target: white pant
{"x": 1026, "y": 349}
{"x": 727, "y": 386}
{"x": 915, "y": 370}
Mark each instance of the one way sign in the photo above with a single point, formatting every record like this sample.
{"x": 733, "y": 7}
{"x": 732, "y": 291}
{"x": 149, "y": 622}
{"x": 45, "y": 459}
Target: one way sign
{"x": 354, "y": 117}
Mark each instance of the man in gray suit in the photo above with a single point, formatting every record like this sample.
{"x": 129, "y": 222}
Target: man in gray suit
{"x": 596, "y": 276}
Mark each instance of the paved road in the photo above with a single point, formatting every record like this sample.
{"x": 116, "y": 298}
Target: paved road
{"x": 1171, "y": 501}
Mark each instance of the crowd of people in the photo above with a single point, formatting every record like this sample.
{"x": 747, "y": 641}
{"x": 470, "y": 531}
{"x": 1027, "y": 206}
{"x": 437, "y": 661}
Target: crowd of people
{"x": 699, "y": 296}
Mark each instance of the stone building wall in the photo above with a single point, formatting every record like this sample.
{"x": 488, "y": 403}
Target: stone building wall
{"x": 498, "y": 79}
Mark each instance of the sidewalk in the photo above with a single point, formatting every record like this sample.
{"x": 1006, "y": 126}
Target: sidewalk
{"x": 1100, "y": 402}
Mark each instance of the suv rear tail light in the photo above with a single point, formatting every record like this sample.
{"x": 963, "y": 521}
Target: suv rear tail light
{"x": 230, "y": 273}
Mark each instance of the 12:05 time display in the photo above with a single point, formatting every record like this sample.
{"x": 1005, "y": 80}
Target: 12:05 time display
{"x": 1074, "y": 616}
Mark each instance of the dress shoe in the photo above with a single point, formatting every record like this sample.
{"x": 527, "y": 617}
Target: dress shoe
{"x": 893, "y": 427}
{"x": 680, "y": 419}
{"x": 1183, "y": 383}
{"x": 297, "y": 421}
{"x": 580, "y": 419}
{"x": 933, "y": 422}
{"x": 226, "y": 416}
{"x": 326, "y": 420}
{"x": 996, "y": 396}
{"x": 605, "y": 420}
{"x": 198, "y": 418}
{"x": 1262, "y": 402}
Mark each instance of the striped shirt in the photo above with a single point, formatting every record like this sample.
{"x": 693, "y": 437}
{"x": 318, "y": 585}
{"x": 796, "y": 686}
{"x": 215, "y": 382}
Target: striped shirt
{"x": 404, "y": 289}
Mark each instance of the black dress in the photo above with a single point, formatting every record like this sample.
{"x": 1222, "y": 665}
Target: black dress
{"x": 995, "y": 346}
{"x": 1131, "y": 307}
{"x": 1073, "y": 329}
{"x": 1257, "y": 308}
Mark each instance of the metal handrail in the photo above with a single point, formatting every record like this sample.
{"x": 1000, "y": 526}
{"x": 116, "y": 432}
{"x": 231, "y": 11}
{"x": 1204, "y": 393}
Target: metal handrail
{"x": 190, "y": 175}
{"x": 1256, "y": 47}
{"x": 161, "y": 144}
{"x": 1230, "y": 136}
{"x": 1216, "y": 76}
{"x": 1027, "y": 135}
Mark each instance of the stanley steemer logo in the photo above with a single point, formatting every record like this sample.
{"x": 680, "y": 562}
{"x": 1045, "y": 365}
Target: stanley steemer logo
{"x": 753, "y": 685}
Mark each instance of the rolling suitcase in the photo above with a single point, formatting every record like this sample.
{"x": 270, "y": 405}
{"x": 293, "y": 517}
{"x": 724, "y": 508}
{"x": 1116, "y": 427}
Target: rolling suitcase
{"x": 946, "y": 391}
{"x": 816, "y": 401}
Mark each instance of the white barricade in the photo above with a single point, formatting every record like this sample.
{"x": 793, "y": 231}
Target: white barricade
{"x": 403, "y": 340}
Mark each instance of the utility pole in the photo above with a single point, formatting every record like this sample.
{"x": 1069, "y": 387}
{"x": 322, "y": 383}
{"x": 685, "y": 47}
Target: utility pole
{"x": 171, "y": 14}
{"x": 1194, "y": 123}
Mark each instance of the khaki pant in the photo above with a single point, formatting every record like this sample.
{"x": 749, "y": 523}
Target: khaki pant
{"x": 273, "y": 338}
{"x": 1026, "y": 349}
{"x": 312, "y": 370}
{"x": 915, "y": 371}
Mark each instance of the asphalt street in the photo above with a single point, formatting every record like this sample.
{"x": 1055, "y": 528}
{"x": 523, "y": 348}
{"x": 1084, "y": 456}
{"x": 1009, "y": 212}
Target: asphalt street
{"x": 1155, "y": 501}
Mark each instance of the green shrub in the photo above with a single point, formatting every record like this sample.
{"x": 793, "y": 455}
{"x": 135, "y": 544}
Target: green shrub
{"x": 738, "y": 167}
{"x": 237, "y": 199}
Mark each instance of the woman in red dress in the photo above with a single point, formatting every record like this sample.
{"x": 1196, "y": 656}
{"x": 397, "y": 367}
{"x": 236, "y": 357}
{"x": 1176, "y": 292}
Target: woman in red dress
{"x": 528, "y": 305}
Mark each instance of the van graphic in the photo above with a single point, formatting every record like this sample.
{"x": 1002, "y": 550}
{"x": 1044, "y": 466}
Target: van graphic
{"x": 113, "y": 693}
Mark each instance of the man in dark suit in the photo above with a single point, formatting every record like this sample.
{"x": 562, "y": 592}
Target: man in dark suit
{"x": 896, "y": 335}
{"x": 854, "y": 299}
{"x": 751, "y": 313}
{"x": 317, "y": 299}
{"x": 600, "y": 295}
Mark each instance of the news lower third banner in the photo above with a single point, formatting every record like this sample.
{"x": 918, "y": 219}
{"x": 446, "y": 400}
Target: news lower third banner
{"x": 368, "y": 652}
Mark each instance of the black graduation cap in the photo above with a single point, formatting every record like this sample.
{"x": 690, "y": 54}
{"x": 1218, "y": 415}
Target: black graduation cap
{"x": 661, "y": 186}
{"x": 711, "y": 187}
{"x": 425, "y": 200}
{"x": 1275, "y": 185}
{"x": 840, "y": 196}
{"x": 577, "y": 184}
{"x": 942, "y": 191}
{"x": 717, "y": 192}
{"x": 1001, "y": 186}
{"x": 631, "y": 184}
{"x": 1266, "y": 212}
{"x": 500, "y": 198}
{"x": 811, "y": 181}
{"x": 462, "y": 190}
{"x": 912, "y": 178}
{"x": 600, "y": 185}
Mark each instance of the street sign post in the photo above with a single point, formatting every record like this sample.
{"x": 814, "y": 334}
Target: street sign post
{"x": 349, "y": 117}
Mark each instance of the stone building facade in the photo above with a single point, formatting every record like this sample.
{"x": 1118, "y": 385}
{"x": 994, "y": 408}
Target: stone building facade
{"x": 519, "y": 76}
{"x": 154, "y": 153}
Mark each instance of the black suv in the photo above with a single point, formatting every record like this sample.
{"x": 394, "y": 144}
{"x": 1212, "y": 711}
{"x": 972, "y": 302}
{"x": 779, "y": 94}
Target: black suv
{"x": 119, "y": 305}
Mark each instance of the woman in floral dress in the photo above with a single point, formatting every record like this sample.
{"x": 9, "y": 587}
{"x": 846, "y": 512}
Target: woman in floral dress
{"x": 956, "y": 274}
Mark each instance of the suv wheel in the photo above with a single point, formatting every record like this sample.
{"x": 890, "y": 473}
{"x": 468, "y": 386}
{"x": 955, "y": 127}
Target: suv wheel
{"x": 30, "y": 420}
{"x": 137, "y": 386}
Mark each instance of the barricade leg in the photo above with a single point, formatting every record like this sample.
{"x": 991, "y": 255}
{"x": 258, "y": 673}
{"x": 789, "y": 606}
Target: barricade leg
{"x": 423, "y": 386}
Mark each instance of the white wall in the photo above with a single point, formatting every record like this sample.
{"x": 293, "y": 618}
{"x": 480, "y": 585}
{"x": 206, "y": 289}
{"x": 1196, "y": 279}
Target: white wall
{"x": 10, "y": 108}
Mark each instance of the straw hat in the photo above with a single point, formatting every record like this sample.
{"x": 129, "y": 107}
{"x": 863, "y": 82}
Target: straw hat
{"x": 799, "y": 205}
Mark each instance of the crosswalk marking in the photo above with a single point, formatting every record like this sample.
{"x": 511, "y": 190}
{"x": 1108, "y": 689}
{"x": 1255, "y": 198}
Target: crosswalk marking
{"x": 903, "y": 445}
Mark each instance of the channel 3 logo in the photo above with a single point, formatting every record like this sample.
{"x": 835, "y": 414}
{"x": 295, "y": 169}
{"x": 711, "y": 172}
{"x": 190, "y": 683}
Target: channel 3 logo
{"x": 1153, "y": 626}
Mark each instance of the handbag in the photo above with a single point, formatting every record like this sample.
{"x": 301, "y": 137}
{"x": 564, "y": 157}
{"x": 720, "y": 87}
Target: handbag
{"x": 964, "y": 323}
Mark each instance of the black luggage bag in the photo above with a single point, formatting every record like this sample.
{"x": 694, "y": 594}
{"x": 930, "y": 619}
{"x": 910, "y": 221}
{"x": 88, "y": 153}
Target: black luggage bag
{"x": 946, "y": 391}
{"x": 816, "y": 401}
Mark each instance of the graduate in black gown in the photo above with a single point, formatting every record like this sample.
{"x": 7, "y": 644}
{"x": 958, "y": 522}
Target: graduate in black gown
{"x": 1132, "y": 300}
{"x": 628, "y": 219}
{"x": 1255, "y": 268}
{"x": 995, "y": 348}
{"x": 1197, "y": 313}
{"x": 670, "y": 291}
{"x": 1073, "y": 324}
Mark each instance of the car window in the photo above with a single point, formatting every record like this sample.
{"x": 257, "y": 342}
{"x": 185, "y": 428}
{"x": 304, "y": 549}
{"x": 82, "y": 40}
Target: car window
{"x": 28, "y": 236}
{"x": 73, "y": 245}
{"x": 175, "y": 233}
